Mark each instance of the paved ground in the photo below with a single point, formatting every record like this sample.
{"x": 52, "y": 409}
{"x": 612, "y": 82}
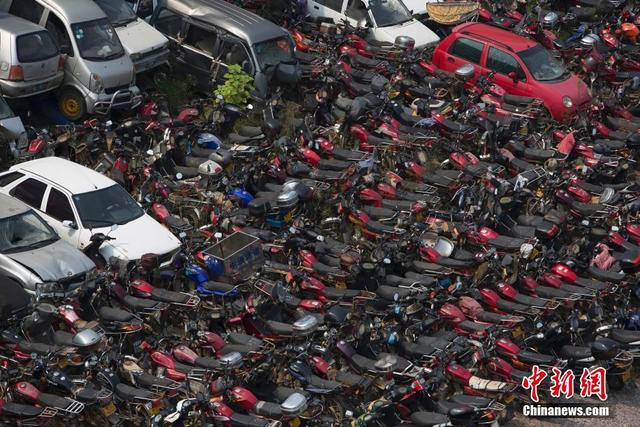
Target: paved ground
{"x": 624, "y": 404}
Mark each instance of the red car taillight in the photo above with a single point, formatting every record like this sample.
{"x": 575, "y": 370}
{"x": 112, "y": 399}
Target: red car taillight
{"x": 16, "y": 73}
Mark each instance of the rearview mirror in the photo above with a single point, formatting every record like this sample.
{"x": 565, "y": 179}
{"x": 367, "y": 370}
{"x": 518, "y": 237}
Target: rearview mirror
{"x": 70, "y": 224}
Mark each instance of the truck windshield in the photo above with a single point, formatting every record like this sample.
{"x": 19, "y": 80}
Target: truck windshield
{"x": 389, "y": 12}
{"x": 23, "y": 232}
{"x": 97, "y": 40}
{"x": 36, "y": 47}
{"x": 274, "y": 51}
{"x": 118, "y": 12}
{"x": 103, "y": 208}
{"x": 542, "y": 66}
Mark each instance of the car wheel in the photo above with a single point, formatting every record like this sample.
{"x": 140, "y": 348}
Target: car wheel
{"x": 71, "y": 104}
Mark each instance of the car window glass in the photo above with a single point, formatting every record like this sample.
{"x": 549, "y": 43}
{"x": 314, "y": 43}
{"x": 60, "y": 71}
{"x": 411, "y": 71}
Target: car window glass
{"x": 202, "y": 39}
{"x": 503, "y": 63}
{"x": 30, "y": 191}
{"x": 27, "y": 9}
{"x": 331, "y": 4}
{"x": 9, "y": 178}
{"x": 470, "y": 50}
{"x": 234, "y": 52}
{"x": 356, "y": 10}
{"x": 58, "y": 206}
{"x": 36, "y": 47}
{"x": 169, "y": 23}
{"x": 59, "y": 33}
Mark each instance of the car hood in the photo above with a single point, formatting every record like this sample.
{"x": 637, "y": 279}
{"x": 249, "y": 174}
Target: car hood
{"x": 418, "y": 31}
{"x": 138, "y": 237}
{"x": 573, "y": 87}
{"x": 140, "y": 37}
{"x": 53, "y": 262}
{"x": 418, "y": 7}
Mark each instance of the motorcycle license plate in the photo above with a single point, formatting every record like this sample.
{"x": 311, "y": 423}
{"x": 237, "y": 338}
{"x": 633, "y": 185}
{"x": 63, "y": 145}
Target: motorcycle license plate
{"x": 509, "y": 398}
{"x": 518, "y": 332}
{"x": 341, "y": 285}
{"x": 108, "y": 410}
{"x": 294, "y": 422}
{"x": 288, "y": 217}
{"x": 626, "y": 376}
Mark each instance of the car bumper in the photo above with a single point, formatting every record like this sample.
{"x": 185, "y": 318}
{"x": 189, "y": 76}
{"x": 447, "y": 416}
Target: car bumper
{"x": 151, "y": 60}
{"x": 124, "y": 99}
{"x": 11, "y": 89}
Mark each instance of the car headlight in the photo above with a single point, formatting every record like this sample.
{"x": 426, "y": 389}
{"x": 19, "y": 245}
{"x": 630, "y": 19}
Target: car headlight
{"x": 95, "y": 83}
{"x": 135, "y": 56}
{"x": 567, "y": 102}
{"x": 49, "y": 288}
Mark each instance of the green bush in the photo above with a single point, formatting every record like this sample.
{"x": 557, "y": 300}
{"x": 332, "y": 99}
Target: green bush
{"x": 237, "y": 86}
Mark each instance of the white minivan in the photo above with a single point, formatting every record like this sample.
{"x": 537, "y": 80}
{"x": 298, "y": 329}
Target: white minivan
{"x": 78, "y": 202}
{"x": 99, "y": 75}
{"x": 146, "y": 46}
{"x": 386, "y": 19}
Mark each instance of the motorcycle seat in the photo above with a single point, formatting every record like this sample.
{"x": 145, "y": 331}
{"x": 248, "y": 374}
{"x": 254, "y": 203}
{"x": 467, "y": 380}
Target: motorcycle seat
{"x": 139, "y": 304}
{"x": 523, "y": 231}
{"x": 608, "y": 145}
{"x": 528, "y": 300}
{"x": 12, "y": 409}
{"x": 126, "y": 392}
{"x": 398, "y": 205}
{"x": 343, "y": 102}
{"x": 214, "y": 286}
{"x": 606, "y": 275}
{"x": 510, "y": 306}
{"x": 531, "y": 220}
{"x": 280, "y": 328}
{"x": 478, "y": 383}
{"x": 506, "y": 243}
{"x": 380, "y": 43}
{"x": 598, "y": 4}
{"x": 331, "y": 292}
{"x": 324, "y": 175}
{"x": 267, "y": 409}
{"x": 454, "y": 263}
{"x": 518, "y": 100}
{"x": 367, "y": 62}
{"x": 323, "y": 384}
{"x": 352, "y": 380}
{"x": 361, "y": 75}
{"x": 620, "y": 123}
{"x": 475, "y": 401}
{"x": 114, "y": 314}
{"x": 326, "y": 269}
{"x": 487, "y": 316}
{"x": 583, "y": 13}
{"x": 520, "y": 165}
{"x": 533, "y": 358}
{"x": 549, "y": 292}
{"x": 587, "y": 209}
{"x": 166, "y": 295}
{"x": 176, "y": 222}
{"x": 624, "y": 336}
{"x": 575, "y": 352}
{"x": 240, "y": 139}
{"x": 241, "y": 420}
{"x": 518, "y": 374}
{"x": 350, "y": 155}
{"x": 422, "y": 267}
{"x": 456, "y": 126}
{"x": 250, "y": 131}
{"x": 248, "y": 340}
{"x": 359, "y": 88}
{"x": 55, "y": 401}
{"x": 388, "y": 292}
{"x": 417, "y": 350}
{"x": 88, "y": 395}
{"x": 378, "y": 213}
{"x": 63, "y": 338}
{"x": 187, "y": 172}
{"x": 147, "y": 380}
{"x": 378, "y": 227}
{"x": 208, "y": 363}
{"x": 429, "y": 419}
{"x": 335, "y": 165}
{"x": 591, "y": 284}
{"x": 38, "y": 348}
{"x": 376, "y": 140}
{"x": 468, "y": 325}
{"x": 409, "y": 280}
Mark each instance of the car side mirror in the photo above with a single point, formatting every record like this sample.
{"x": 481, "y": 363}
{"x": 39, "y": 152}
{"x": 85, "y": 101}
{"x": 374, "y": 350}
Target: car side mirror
{"x": 70, "y": 224}
{"x": 363, "y": 23}
{"x": 64, "y": 49}
{"x": 512, "y": 76}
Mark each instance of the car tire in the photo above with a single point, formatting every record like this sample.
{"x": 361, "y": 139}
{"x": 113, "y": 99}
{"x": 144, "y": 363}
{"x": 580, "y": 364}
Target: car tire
{"x": 72, "y": 104}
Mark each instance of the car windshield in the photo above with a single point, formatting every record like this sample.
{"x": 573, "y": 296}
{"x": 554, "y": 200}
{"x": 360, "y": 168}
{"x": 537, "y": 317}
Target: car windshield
{"x": 97, "y": 40}
{"x": 36, "y": 47}
{"x": 274, "y": 52}
{"x": 542, "y": 66}
{"x": 23, "y": 232}
{"x": 103, "y": 208}
{"x": 389, "y": 12}
{"x": 118, "y": 11}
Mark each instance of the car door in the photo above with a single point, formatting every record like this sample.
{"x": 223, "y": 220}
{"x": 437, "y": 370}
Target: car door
{"x": 501, "y": 64}
{"x": 232, "y": 51}
{"x": 329, "y": 9}
{"x": 200, "y": 52}
{"x": 58, "y": 211}
{"x": 464, "y": 51}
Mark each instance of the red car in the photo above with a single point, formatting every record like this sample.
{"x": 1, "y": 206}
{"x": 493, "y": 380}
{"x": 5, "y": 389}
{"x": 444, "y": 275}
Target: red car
{"x": 519, "y": 65}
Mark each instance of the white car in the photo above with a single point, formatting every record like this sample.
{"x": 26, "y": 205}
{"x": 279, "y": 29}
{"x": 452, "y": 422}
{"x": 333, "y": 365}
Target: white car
{"x": 386, "y": 19}
{"x": 78, "y": 202}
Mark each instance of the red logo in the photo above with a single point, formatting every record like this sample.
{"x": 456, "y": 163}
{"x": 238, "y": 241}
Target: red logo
{"x": 592, "y": 383}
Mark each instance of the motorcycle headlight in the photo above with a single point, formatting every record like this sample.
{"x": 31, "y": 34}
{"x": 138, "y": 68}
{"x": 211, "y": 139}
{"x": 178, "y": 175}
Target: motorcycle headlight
{"x": 567, "y": 102}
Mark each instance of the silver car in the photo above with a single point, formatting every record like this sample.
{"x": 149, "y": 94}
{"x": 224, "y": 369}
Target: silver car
{"x": 31, "y": 62}
{"x": 32, "y": 254}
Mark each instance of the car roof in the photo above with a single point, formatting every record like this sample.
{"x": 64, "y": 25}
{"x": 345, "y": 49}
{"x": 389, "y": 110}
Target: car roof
{"x": 495, "y": 35}
{"x": 17, "y": 26}
{"x": 71, "y": 176}
{"x": 75, "y": 11}
{"x": 235, "y": 20}
{"x": 10, "y": 206}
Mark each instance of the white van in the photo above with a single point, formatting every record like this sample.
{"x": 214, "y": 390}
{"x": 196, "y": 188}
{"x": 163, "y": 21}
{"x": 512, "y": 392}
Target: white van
{"x": 386, "y": 19}
{"x": 146, "y": 46}
{"x": 99, "y": 75}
